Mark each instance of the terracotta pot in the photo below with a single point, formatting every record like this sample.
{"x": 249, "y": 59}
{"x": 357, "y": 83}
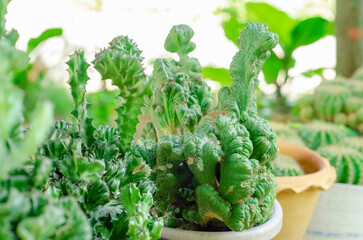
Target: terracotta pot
{"x": 338, "y": 214}
{"x": 265, "y": 231}
{"x": 298, "y": 195}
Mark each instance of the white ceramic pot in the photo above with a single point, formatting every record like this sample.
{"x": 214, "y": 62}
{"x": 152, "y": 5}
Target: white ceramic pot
{"x": 265, "y": 231}
{"x": 338, "y": 214}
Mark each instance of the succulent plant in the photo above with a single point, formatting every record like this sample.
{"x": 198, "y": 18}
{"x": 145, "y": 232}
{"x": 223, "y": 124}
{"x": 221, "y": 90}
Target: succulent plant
{"x": 320, "y": 133}
{"x": 122, "y": 63}
{"x": 110, "y": 184}
{"x": 347, "y": 161}
{"x": 212, "y": 164}
{"x": 285, "y": 166}
{"x": 354, "y": 142}
{"x": 26, "y": 212}
{"x": 330, "y": 99}
{"x": 286, "y": 133}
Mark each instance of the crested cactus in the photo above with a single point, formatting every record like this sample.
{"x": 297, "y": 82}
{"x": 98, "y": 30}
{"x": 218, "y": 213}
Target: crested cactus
{"x": 347, "y": 161}
{"x": 286, "y": 166}
{"x": 317, "y": 134}
{"x": 212, "y": 165}
{"x": 180, "y": 95}
{"x": 111, "y": 185}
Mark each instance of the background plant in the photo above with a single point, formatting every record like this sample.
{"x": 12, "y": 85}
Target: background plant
{"x": 293, "y": 33}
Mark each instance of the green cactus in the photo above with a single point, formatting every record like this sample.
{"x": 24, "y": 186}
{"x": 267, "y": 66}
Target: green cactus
{"x": 180, "y": 95}
{"x": 330, "y": 99}
{"x": 122, "y": 63}
{"x": 318, "y": 133}
{"x": 347, "y": 161}
{"x": 212, "y": 166}
{"x": 354, "y": 142}
{"x": 286, "y": 166}
{"x": 286, "y": 133}
{"x": 111, "y": 185}
{"x": 26, "y": 212}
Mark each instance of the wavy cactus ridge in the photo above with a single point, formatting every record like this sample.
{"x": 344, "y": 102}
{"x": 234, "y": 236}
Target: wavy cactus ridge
{"x": 180, "y": 95}
{"x": 255, "y": 44}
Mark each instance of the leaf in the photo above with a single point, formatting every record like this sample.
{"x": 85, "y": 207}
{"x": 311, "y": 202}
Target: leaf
{"x": 277, "y": 21}
{"x": 312, "y": 72}
{"x": 309, "y": 31}
{"x": 220, "y": 75}
{"x": 271, "y": 68}
{"x": 232, "y": 29}
{"x": 49, "y": 33}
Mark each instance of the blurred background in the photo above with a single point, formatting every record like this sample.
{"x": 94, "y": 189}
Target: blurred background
{"x": 50, "y": 30}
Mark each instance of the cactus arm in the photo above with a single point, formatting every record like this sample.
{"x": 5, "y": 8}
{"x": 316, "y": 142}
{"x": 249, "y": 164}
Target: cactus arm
{"x": 77, "y": 80}
{"x": 122, "y": 63}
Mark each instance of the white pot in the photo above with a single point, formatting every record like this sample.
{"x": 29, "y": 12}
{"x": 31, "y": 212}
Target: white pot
{"x": 265, "y": 231}
{"x": 338, "y": 214}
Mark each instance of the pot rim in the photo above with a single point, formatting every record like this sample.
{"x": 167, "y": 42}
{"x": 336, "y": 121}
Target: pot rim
{"x": 320, "y": 179}
{"x": 268, "y": 229}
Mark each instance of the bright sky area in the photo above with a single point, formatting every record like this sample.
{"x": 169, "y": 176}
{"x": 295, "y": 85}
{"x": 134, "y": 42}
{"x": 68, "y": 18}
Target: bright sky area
{"x": 90, "y": 27}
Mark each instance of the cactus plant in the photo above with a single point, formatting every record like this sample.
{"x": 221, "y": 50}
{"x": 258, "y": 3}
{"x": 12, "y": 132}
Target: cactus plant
{"x": 286, "y": 166}
{"x": 111, "y": 185}
{"x": 26, "y": 212}
{"x": 354, "y": 142}
{"x": 320, "y": 133}
{"x": 212, "y": 164}
{"x": 122, "y": 63}
{"x": 347, "y": 161}
{"x": 330, "y": 99}
{"x": 286, "y": 133}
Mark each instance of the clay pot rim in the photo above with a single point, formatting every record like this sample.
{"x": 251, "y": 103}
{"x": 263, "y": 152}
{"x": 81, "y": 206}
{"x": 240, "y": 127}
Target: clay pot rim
{"x": 266, "y": 230}
{"x": 321, "y": 179}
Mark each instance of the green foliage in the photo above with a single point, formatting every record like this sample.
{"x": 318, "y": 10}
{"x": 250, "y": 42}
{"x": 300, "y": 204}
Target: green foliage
{"x": 25, "y": 211}
{"x": 217, "y": 74}
{"x": 91, "y": 165}
{"x": 293, "y": 33}
{"x": 212, "y": 164}
{"x": 49, "y": 33}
